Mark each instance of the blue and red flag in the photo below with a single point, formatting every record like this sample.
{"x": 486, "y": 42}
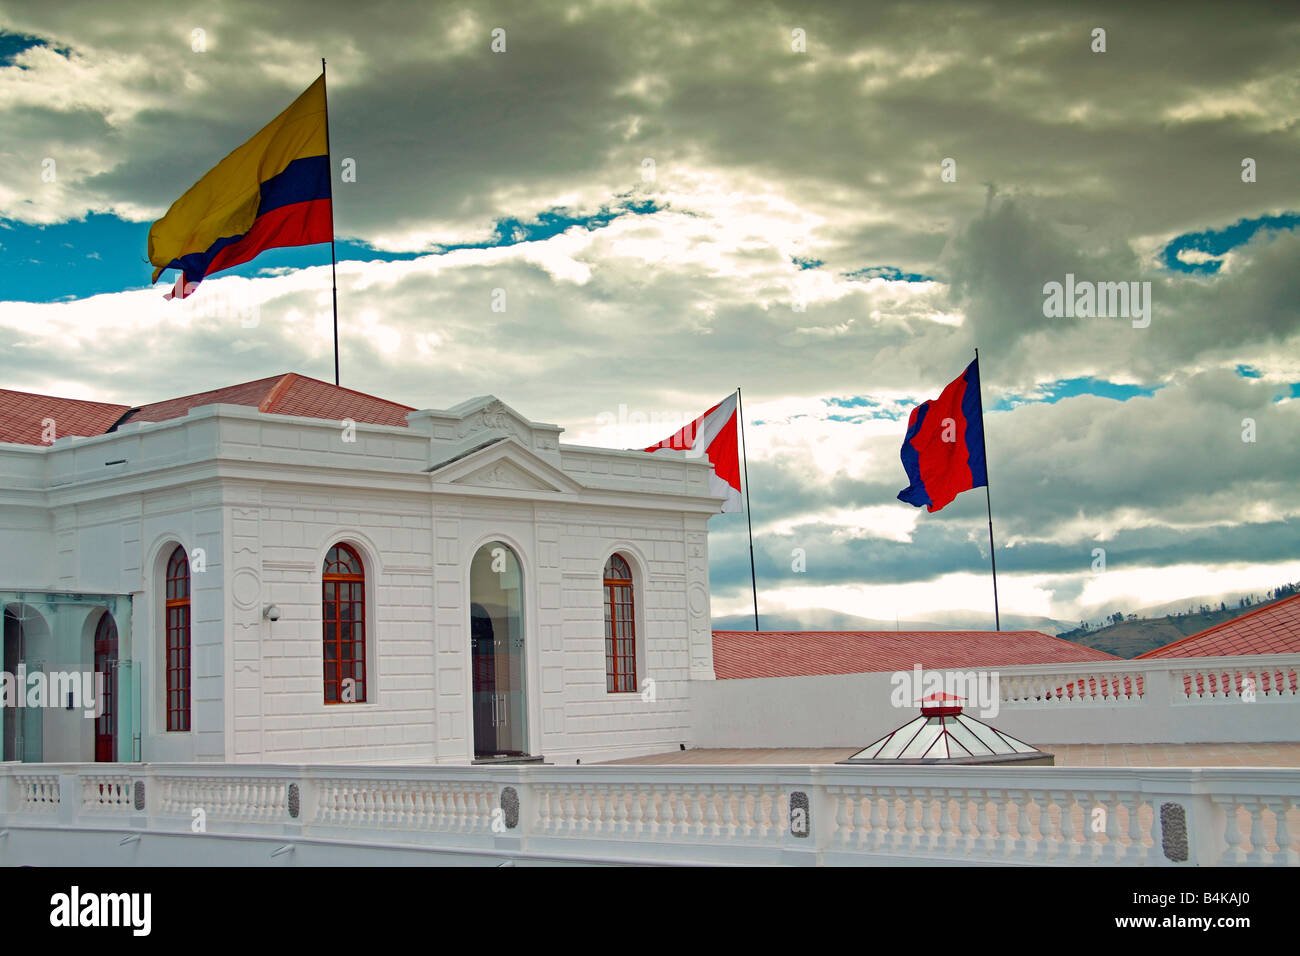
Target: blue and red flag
{"x": 943, "y": 452}
{"x": 273, "y": 191}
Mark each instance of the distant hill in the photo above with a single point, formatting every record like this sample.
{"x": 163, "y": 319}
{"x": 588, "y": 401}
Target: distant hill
{"x": 1129, "y": 638}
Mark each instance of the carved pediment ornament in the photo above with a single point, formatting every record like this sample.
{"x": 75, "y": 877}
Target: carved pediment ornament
{"x": 493, "y": 417}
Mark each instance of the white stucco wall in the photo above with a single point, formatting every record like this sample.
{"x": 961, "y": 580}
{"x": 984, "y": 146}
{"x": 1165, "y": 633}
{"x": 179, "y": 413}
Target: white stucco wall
{"x": 265, "y": 496}
{"x": 854, "y": 710}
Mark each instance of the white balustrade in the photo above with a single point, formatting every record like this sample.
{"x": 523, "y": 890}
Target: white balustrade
{"x": 37, "y": 792}
{"x": 107, "y": 792}
{"x": 730, "y": 814}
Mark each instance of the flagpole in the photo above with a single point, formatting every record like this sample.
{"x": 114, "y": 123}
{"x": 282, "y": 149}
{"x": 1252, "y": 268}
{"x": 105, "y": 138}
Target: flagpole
{"x": 997, "y": 617}
{"x": 329, "y": 162}
{"x": 753, "y": 578}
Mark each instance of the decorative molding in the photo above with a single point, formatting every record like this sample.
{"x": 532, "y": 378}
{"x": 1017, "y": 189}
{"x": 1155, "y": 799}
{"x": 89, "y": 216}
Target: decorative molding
{"x": 1173, "y": 831}
{"x": 245, "y": 588}
{"x": 494, "y": 417}
{"x": 288, "y": 566}
{"x": 505, "y": 475}
{"x": 408, "y": 569}
{"x": 800, "y": 814}
{"x": 510, "y": 804}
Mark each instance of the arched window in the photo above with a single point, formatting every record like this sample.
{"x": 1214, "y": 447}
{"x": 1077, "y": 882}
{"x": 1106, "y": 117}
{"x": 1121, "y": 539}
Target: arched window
{"x": 344, "y": 626}
{"x": 620, "y": 627}
{"x": 178, "y": 640}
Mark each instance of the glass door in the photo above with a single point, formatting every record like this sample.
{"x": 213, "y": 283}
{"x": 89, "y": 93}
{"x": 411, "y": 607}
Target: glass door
{"x": 497, "y": 653}
{"x": 24, "y": 727}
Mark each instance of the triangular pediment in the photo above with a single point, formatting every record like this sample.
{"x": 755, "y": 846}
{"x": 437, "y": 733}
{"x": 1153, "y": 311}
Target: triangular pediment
{"x": 505, "y": 465}
{"x": 503, "y": 474}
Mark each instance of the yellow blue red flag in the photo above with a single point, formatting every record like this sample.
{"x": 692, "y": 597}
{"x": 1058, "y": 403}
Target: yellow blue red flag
{"x": 273, "y": 191}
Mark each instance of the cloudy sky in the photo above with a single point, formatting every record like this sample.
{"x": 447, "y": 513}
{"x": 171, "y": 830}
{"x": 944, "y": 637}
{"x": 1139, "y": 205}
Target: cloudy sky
{"x": 830, "y": 205}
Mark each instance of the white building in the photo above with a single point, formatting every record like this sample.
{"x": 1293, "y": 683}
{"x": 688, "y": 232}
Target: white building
{"x": 297, "y": 572}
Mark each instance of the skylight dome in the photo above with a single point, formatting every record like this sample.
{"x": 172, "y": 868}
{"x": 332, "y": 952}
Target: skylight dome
{"x": 943, "y": 734}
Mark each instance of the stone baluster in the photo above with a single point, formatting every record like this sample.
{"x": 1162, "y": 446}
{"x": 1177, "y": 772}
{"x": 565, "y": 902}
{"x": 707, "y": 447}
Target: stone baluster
{"x": 1011, "y": 844}
{"x": 857, "y": 815}
{"x": 1134, "y": 851}
{"x": 733, "y": 821}
{"x": 1234, "y": 852}
{"x": 679, "y": 811}
{"x": 759, "y": 815}
{"x": 1285, "y": 855}
{"x": 692, "y": 818}
{"x": 717, "y": 811}
{"x": 585, "y": 805}
{"x": 843, "y": 815}
{"x": 636, "y": 817}
{"x": 894, "y": 823}
{"x": 1032, "y": 828}
{"x": 618, "y": 800}
{"x": 1062, "y": 830}
{"x": 986, "y": 842}
{"x": 1259, "y": 854}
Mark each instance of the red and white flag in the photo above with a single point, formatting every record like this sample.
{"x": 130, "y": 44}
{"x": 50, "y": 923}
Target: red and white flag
{"x": 713, "y": 434}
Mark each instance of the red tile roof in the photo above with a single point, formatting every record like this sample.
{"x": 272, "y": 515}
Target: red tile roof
{"x": 804, "y": 653}
{"x": 1272, "y": 629}
{"x": 21, "y": 413}
{"x": 22, "y": 417}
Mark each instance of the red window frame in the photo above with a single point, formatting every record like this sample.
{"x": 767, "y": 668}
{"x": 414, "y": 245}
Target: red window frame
{"x": 176, "y": 611}
{"x": 105, "y": 659}
{"x": 620, "y": 627}
{"x": 343, "y": 624}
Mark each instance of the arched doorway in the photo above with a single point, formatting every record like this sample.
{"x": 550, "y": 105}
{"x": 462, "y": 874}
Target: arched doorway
{"x": 497, "y": 653}
{"x": 106, "y": 671}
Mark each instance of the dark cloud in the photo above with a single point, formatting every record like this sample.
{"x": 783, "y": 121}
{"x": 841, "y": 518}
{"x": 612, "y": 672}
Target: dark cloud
{"x": 1068, "y": 161}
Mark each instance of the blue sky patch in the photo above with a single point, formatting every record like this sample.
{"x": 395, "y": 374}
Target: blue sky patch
{"x": 1054, "y": 392}
{"x": 886, "y": 272}
{"x": 1247, "y": 371}
{"x": 1217, "y": 242}
{"x": 12, "y": 44}
{"x": 103, "y": 253}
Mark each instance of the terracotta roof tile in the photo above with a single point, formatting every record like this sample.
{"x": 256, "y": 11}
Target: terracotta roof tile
{"x": 1272, "y": 629}
{"x": 249, "y": 393}
{"x": 22, "y": 416}
{"x": 22, "y": 413}
{"x": 312, "y": 398}
{"x": 738, "y": 654}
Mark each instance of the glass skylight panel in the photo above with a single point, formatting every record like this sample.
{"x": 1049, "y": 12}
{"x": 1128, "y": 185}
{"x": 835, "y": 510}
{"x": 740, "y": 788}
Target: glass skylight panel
{"x": 924, "y": 740}
{"x": 974, "y": 745}
{"x": 990, "y": 737}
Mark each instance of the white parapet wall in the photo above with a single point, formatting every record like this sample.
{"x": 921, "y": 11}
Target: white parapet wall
{"x": 1171, "y": 700}
{"x": 258, "y": 814}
